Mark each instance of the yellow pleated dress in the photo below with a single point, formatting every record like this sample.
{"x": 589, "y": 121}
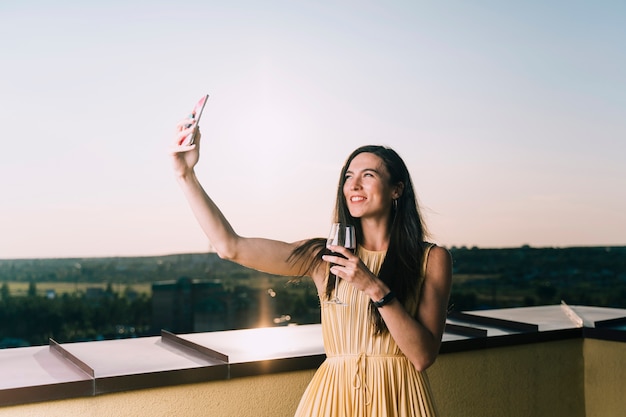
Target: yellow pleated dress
{"x": 364, "y": 374}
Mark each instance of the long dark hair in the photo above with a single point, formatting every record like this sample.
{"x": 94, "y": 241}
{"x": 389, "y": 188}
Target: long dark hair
{"x": 402, "y": 268}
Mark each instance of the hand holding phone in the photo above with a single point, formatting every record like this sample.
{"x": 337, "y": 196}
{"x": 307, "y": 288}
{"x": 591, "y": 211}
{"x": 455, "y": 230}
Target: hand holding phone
{"x": 196, "y": 114}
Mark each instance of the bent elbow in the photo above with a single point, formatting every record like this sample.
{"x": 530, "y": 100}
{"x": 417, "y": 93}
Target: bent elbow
{"x": 227, "y": 249}
{"x": 226, "y": 255}
{"x": 226, "y": 252}
{"x": 424, "y": 363}
{"x": 223, "y": 255}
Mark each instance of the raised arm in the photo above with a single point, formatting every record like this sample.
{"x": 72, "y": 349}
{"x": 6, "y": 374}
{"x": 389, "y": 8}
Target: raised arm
{"x": 266, "y": 255}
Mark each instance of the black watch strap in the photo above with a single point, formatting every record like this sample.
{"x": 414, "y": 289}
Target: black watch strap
{"x": 385, "y": 300}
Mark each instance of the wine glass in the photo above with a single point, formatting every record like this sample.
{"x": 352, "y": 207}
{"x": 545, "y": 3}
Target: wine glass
{"x": 340, "y": 235}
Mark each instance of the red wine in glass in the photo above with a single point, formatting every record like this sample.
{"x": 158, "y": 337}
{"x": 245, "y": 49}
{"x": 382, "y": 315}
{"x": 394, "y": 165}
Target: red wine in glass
{"x": 340, "y": 235}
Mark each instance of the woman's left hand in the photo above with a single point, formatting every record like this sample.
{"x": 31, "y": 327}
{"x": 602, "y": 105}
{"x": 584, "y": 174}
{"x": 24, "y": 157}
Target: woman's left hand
{"x": 352, "y": 269}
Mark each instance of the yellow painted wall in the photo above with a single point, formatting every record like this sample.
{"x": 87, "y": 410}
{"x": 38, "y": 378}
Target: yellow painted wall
{"x": 540, "y": 379}
{"x": 605, "y": 378}
{"x": 275, "y": 395}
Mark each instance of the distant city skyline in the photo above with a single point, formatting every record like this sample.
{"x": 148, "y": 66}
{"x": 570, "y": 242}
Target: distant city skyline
{"x": 509, "y": 116}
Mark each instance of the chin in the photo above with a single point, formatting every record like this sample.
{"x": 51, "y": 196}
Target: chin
{"x": 356, "y": 215}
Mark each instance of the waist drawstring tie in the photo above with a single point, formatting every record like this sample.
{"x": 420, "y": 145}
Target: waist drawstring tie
{"x": 359, "y": 380}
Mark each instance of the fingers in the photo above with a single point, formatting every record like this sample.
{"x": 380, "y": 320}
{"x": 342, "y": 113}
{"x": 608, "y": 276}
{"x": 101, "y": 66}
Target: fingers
{"x": 185, "y": 129}
{"x": 341, "y": 250}
{"x": 182, "y": 149}
{"x": 343, "y": 257}
{"x": 334, "y": 259}
{"x": 348, "y": 266}
{"x": 186, "y": 123}
{"x": 347, "y": 272}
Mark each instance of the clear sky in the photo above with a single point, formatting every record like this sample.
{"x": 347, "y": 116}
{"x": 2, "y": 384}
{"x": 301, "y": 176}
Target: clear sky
{"x": 510, "y": 115}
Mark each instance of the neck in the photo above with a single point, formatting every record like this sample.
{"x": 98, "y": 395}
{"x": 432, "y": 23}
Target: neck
{"x": 375, "y": 235}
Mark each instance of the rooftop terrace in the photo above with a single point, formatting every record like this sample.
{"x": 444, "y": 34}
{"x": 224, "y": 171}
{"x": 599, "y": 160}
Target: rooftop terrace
{"x": 551, "y": 360}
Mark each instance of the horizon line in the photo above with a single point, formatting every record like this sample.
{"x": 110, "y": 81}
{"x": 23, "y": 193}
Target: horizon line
{"x": 451, "y": 247}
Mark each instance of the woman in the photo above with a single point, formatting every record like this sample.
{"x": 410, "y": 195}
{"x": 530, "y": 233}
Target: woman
{"x": 396, "y": 285}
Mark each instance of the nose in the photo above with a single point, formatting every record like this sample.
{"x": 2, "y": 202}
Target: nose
{"x": 355, "y": 183}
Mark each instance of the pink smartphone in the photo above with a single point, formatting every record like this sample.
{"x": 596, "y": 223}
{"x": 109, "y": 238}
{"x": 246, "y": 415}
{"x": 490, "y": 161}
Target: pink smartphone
{"x": 196, "y": 114}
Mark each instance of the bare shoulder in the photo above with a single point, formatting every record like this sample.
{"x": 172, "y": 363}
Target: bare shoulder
{"x": 439, "y": 265}
{"x": 439, "y": 255}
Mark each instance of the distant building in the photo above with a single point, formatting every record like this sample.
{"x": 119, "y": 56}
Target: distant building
{"x": 188, "y": 306}
{"x": 94, "y": 293}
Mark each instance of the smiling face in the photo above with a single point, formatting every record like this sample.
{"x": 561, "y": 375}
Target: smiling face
{"x": 367, "y": 188}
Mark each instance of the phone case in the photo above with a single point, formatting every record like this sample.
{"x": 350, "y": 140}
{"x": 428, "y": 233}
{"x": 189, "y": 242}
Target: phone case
{"x": 196, "y": 114}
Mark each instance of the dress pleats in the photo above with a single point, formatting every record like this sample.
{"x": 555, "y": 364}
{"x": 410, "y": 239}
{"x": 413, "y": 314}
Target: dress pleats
{"x": 364, "y": 374}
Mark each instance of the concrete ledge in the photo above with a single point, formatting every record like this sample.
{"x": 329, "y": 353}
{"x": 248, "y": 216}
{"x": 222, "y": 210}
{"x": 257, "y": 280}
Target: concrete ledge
{"x": 549, "y": 367}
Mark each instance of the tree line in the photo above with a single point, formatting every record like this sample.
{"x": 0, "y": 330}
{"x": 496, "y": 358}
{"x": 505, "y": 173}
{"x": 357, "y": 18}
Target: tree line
{"x": 482, "y": 279}
{"x": 33, "y": 319}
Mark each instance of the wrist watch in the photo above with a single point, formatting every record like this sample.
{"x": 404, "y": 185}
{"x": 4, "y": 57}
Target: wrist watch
{"x": 385, "y": 300}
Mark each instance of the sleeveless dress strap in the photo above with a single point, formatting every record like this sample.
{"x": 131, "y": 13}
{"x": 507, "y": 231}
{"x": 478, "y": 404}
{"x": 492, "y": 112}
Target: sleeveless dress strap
{"x": 425, "y": 260}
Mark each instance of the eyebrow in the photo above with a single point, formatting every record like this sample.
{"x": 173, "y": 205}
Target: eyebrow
{"x": 374, "y": 170}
